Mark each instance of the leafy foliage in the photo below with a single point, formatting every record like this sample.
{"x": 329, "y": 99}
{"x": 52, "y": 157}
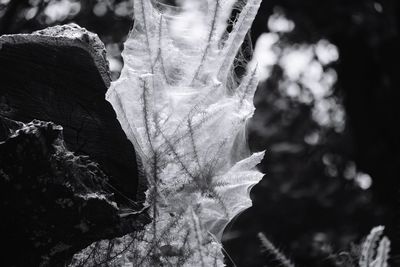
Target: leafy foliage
{"x": 373, "y": 252}
{"x": 186, "y": 118}
{"x": 375, "y": 249}
{"x": 271, "y": 249}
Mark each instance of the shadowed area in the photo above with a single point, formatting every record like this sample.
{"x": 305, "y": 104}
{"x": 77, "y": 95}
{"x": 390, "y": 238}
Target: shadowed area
{"x": 55, "y": 202}
{"x": 61, "y": 75}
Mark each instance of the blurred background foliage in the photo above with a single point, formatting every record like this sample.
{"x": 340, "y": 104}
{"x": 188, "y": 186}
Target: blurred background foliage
{"x": 326, "y": 112}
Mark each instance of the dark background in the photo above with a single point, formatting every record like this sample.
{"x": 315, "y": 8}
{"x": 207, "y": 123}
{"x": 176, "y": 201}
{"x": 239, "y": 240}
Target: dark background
{"x": 332, "y": 161}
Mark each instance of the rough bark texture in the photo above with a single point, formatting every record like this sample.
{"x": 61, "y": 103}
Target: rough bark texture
{"x": 60, "y": 74}
{"x": 54, "y": 202}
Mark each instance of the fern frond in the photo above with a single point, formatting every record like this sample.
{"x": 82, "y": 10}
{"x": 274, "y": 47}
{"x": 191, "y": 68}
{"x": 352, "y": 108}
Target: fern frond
{"x": 368, "y": 248}
{"x": 236, "y": 37}
{"x": 278, "y": 255}
{"x": 248, "y": 87}
{"x": 142, "y": 10}
{"x": 382, "y": 254}
{"x": 209, "y": 41}
{"x": 193, "y": 143}
{"x": 198, "y": 236}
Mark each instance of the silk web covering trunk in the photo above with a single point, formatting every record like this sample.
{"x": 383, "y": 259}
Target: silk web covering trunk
{"x": 185, "y": 111}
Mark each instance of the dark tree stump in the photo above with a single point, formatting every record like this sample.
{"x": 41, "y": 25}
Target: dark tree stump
{"x": 53, "y": 202}
{"x": 60, "y": 74}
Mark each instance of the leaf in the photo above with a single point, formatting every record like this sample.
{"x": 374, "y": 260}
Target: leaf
{"x": 236, "y": 37}
{"x": 188, "y": 127}
{"x": 382, "y": 254}
{"x": 375, "y": 250}
{"x": 234, "y": 188}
